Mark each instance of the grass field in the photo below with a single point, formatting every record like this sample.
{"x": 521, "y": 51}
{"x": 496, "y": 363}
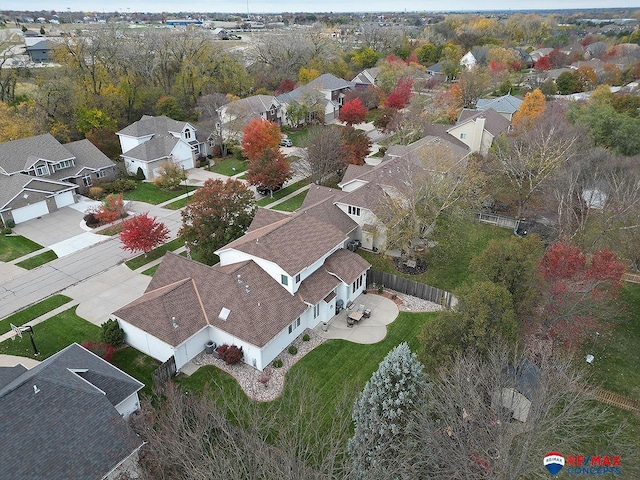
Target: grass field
{"x": 34, "y": 311}
{"x": 147, "y": 192}
{"x": 178, "y": 204}
{"x": 38, "y": 260}
{"x": 136, "y": 364}
{"x": 293, "y": 203}
{"x": 227, "y": 166}
{"x": 282, "y": 193}
{"x": 140, "y": 260}
{"x": 16, "y": 246}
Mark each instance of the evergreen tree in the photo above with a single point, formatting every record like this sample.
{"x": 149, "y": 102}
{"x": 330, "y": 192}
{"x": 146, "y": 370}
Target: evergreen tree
{"x": 381, "y": 413}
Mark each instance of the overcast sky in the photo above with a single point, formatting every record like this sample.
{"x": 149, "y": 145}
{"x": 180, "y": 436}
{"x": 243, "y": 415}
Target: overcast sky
{"x": 276, "y": 6}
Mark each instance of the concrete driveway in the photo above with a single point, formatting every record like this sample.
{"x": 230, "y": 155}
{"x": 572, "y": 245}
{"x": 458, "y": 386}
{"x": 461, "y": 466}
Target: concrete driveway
{"x": 53, "y": 227}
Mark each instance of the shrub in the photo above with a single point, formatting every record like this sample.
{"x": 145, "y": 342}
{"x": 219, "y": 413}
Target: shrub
{"x": 170, "y": 175}
{"x": 112, "y": 333}
{"x": 120, "y": 185}
{"x": 91, "y": 220}
{"x": 11, "y": 223}
{"x": 230, "y": 353}
{"x": 140, "y": 174}
{"x": 292, "y": 349}
{"x": 103, "y": 350}
{"x": 306, "y": 337}
{"x": 96, "y": 193}
{"x": 380, "y": 289}
{"x": 6, "y": 231}
{"x": 277, "y": 363}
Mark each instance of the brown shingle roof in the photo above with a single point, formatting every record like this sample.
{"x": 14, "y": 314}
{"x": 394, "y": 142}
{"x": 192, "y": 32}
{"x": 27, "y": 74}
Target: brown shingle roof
{"x": 495, "y": 123}
{"x": 346, "y": 265}
{"x": 259, "y": 307}
{"x": 317, "y": 286}
{"x": 264, "y": 217}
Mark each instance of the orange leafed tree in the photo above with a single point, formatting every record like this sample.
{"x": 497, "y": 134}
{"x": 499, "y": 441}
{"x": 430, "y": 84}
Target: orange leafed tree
{"x": 533, "y": 105}
{"x": 258, "y": 136}
{"x": 143, "y": 233}
{"x": 112, "y": 209}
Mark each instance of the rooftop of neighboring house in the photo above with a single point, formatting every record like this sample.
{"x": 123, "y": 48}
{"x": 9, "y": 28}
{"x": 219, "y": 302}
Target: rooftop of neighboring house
{"x": 367, "y": 76}
{"x": 505, "y": 104}
{"x": 254, "y": 105}
{"x": 61, "y": 417}
{"x": 150, "y": 125}
{"x": 327, "y": 81}
{"x": 20, "y": 155}
{"x": 159, "y": 146}
{"x": 495, "y": 123}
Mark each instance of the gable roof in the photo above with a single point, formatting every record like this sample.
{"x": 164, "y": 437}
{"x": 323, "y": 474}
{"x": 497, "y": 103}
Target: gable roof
{"x": 87, "y": 156}
{"x": 159, "y": 146}
{"x": 495, "y": 123}
{"x": 505, "y": 104}
{"x": 19, "y": 155}
{"x": 292, "y": 243}
{"x": 150, "y": 125}
{"x": 327, "y": 81}
{"x": 195, "y": 294}
{"x": 61, "y": 425}
{"x": 264, "y": 217}
{"x": 255, "y": 105}
{"x": 367, "y": 76}
{"x": 39, "y": 188}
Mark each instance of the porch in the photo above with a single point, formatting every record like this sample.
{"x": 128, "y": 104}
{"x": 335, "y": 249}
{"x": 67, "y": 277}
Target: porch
{"x": 366, "y": 330}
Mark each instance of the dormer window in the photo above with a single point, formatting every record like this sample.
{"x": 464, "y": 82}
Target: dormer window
{"x": 63, "y": 164}
{"x": 42, "y": 170}
{"x": 284, "y": 279}
{"x": 354, "y": 211}
{"x": 463, "y": 136}
{"x": 187, "y": 133}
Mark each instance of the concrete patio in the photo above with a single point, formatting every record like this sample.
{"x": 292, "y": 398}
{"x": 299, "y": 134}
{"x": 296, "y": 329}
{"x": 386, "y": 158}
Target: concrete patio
{"x": 367, "y": 330}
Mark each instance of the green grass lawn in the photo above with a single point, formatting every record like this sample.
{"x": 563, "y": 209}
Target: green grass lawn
{"x": 293, "y": 203}
{"x": 12, "y": 247}
{"x": 136, "y": 364}
{"x": 140, "y": 260}
{"x": 34, "y": 311}
{"x": 151, "y": 271}
{"x": 617, "y": 352}
{"x": 297, "y": 136}
{"x": 283, "y": 192}
{"x": 448, "y": 266}
{"x": 147, "y": 192}
{"x": 227, "y": 166}
{"x": 53, "y": 335}
{"x": 38, "y": 260}
{"x": 178, "y": 204}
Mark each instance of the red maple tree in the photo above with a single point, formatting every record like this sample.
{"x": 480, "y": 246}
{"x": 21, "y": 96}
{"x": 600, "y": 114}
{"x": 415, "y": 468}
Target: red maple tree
{"x": 143, "y": 233}
{"x": 353, "y": 112}
{"x": 285, "y": 86}
{"x": 258, "y": 136}
{"x": 269, "y": 170}
{"x": 543, "y": 63}
{"x": 579, "y": 292}
{"x": 355, "y": 145}
{"x": 399, "y": 97}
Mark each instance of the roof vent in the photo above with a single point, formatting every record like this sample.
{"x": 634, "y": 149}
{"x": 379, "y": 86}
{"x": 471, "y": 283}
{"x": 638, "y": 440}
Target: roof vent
{"x": 26, "y": 195}
{"x": 224, "y": 313}
{"x": 239, "y": 279}
{"x": 246, "y": 289}
{"x": 173, "y": 322}
{"x": 36, "y": 389}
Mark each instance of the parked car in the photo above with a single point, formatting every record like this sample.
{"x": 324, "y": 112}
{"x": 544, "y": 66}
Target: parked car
{"x": 286, "y": 142}
{"x": 264, "y": 190}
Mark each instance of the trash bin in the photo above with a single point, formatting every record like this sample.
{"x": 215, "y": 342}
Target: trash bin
{"x": 210, "y": 347}
{"x": 324, "y": 326}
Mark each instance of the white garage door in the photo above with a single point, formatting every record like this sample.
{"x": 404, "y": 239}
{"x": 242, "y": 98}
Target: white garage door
{"x": 30, "y": 211}
{"x": 64, "y": 199}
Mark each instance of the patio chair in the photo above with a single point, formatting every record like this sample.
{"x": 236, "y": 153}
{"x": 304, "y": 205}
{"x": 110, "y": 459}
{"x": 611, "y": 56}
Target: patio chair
{"x": 361, "y": 308}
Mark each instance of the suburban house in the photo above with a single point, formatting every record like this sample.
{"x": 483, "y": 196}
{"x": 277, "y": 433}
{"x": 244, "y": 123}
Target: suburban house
{"x": 244, "y": 110}
{"x": 366, "y": 78}
{"x": 478, "y": 129}
{"x": 66, "y": 418}
{"x": 286, "y": 274}
{"x": 326, "y": 91}
{"x": 468, "y": 61}
{"x": 506, "y": 105}
{"x": 150, "y": 141}
{"x": 39, "y": 175}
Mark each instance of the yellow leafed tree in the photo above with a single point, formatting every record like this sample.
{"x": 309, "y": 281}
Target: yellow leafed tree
{"x": 532, "y": 107}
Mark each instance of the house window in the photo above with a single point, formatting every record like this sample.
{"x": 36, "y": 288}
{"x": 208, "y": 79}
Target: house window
{"x": 86, "y": 180}
{"x": 42, "y": 170}
{"x": 101, "y": 174}
{"x": 298, "y": 278}
{"x": 316, "y": 311}
{"x": 187, "y": 134}
{"x": 272, "y": 111}
{"x": 284, "y": 279}
{"x": 295, "y": 324}
{"x": 357, "y": 284}
{"x": 463, "y": 136}
{"x": 63, "y": 164}
{"x": 354, "y": 211}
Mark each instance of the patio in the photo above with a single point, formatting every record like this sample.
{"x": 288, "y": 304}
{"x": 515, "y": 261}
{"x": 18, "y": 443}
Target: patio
{"x": 367, "y": 330}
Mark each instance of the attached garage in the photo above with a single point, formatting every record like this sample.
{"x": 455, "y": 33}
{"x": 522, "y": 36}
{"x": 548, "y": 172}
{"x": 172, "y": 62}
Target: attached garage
{"x": 64, "y": 199}
{"x": 30, "y": 211}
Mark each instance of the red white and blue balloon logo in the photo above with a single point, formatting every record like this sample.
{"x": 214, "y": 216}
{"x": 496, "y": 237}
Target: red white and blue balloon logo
{"x": 553, "y": 461}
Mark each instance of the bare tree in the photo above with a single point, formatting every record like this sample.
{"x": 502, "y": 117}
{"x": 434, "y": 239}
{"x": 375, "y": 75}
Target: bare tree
{"x": 208, "y": 108}
{"x": 284, "y": 54}
{"x": 322, "y": 156}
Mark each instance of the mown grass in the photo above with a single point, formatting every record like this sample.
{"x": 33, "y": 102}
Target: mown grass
{"x": 140, "y": 260}
{"x": 34, "y": 311}
{"x": 53, "y": 335}
{"x": 229, "y": 166}
{"x": 16, "y": 246}
{"x": 38, "y": 260}
{"x": 178, "y": 204}
{"x": 147, "y": 192}
{"x": 283, "y": 192}
{"x": 136, "y": 364}
{"x": 292, "y": 203}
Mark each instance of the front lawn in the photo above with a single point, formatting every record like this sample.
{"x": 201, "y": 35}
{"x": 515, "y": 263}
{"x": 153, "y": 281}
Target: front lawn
{"x": 38, "y": 260}
{"x": 292, "y": 203}
{"x": 136, "y": 364}
{"x": 34, "y": 311}
{"x": 263, "y": 202}
{"x": 16, "y": 246}
{"x": 53, "y": 335}
{"x": 140, "y": 260}
{"x": 178, "y": 204}
{"x": 229, "y": 166}
{"x": 147, "y": 192}
{"x": 448, "y": 264}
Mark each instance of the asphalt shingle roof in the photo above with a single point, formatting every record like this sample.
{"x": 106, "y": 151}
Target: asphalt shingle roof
{"x": 505, "y": 104}
{"x": 159, "y": 146}
{"x": 19, "y": 155}
{"x": 149, "y": 125}
{"x": 495, "y": 123}
{"x": 61, "y": 426}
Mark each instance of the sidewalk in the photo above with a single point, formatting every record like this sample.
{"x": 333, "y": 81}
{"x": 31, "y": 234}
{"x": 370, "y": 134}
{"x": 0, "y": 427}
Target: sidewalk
{"x": 41, "y": 318}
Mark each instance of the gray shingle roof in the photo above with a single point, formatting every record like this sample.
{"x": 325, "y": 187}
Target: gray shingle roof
{"x": 160, "y": 146}
{"x": 327, "y": 81}
{"x": 12, "y": 186}
{"x": 19, "y": 155}
{"x": 149, "y": 125}
{"x": 495, "y": 123}
{"x": 88, "y": 155}
{"x": 505, "y": 104}
{"x": 68, "y": 428}
{"x": 254, "y": 105}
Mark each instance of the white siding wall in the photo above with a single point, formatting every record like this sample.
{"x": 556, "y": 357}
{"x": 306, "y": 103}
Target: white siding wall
{"x": 127, "y": 143}
{"x": 191, "y": 347}
{"x": 146, "y": 343}
{"x": 133, "y": 165}
{"x": 183, "y": 155}
{"x": 232, "y": 256}
{"x": 250, "y": 351}
{"x": 128, "y": 405}
{"x": 315, "y": 266}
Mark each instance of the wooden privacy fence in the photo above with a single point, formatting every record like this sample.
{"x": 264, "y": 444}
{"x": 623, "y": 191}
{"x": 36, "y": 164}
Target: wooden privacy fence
{"x": 164, "y": 372}
{"x": 631, "y": 277}
{"x": 620, "y": 401}
{"x": 498, "y": 220}
{"x": 410, "y": 287}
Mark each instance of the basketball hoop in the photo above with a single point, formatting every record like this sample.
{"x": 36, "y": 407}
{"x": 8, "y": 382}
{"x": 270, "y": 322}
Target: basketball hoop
{"x": 16, "y": 331}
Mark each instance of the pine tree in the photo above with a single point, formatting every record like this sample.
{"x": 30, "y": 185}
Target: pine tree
{"x": 381, "y": 412}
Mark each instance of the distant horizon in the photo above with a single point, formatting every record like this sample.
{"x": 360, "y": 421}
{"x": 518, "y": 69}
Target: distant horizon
{"x": 306, "y": 6}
